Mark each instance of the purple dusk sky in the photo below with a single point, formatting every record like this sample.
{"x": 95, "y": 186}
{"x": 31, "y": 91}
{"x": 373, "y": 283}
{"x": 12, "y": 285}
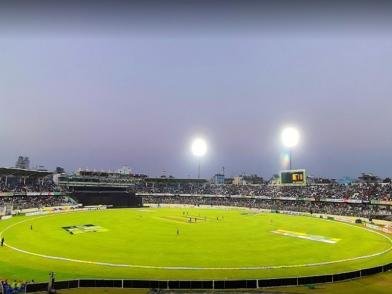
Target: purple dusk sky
{"x": 103, "y": 88}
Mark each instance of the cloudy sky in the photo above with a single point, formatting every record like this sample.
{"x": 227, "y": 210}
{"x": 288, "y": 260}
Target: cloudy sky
{"x": 105, "y": 85}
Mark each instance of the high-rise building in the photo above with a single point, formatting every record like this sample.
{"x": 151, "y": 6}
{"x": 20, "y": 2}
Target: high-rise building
{"x": 218, "y": 179}
{"x": 23, "y": 162}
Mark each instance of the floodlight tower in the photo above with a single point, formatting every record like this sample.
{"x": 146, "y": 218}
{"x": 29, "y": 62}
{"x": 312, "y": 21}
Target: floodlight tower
{"x": 290, "y": 139}
{"x": 199, "y": 149}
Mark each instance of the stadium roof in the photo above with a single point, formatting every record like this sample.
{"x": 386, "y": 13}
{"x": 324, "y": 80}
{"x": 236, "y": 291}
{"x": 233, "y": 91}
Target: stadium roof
{"x": 8, "y": 171}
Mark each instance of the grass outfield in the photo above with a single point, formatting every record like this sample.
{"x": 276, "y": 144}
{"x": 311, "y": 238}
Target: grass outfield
{"x": 221, "y": 244}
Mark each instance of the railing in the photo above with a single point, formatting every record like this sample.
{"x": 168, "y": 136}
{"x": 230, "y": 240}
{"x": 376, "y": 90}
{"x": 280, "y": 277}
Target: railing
{"x": 209, "y": 284}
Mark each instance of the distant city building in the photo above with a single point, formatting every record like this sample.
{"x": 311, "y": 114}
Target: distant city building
{"x": 253, "y": 179}
{"x": 368, "y": 178}
{"x": 125, "y": 170}
{"x": 239, "y": 181}
{"x": 218, "y": 179}
{"x": 319, "y": 180}
{"x": 23, "y": 162}
{"x": 248, "y": 180}
{"x": 60, "y": 170}
{"x": 387, "y": 181}
{"x": 346, "y": 181}
{"x": 228, "y": 181}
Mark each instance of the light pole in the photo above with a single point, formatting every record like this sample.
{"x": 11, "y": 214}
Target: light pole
{"x": 199, "y": 149}
{"x": 290, "y": 139}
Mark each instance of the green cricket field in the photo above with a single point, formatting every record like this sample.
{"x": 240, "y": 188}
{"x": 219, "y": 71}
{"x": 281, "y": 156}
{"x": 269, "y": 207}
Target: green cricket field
{"x": 184, "y": 244}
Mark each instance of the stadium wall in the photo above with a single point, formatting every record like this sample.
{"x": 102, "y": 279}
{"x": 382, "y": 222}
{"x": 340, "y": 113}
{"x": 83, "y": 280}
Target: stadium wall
{"x": 210, "y": 284}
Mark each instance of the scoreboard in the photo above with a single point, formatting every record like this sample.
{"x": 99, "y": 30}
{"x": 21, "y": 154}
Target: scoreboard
{"x": 293, "y": 177}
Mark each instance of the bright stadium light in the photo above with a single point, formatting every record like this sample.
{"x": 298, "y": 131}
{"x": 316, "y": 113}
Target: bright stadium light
{"x": 290, "y": 139}
{"x": 199, "y": 149}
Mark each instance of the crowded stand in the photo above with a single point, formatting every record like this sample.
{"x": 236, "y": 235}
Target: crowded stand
{"x": 22, "y": 189}
{"x": 24, "y": 202}
{"x": 329, "y": 199}
{"x": 357, "y": 199}
{"x": 14, "y": 184}
{"x": 13, "y": 287}
{"x": 333, "y": 208}
{"x": 363, "y": 191}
